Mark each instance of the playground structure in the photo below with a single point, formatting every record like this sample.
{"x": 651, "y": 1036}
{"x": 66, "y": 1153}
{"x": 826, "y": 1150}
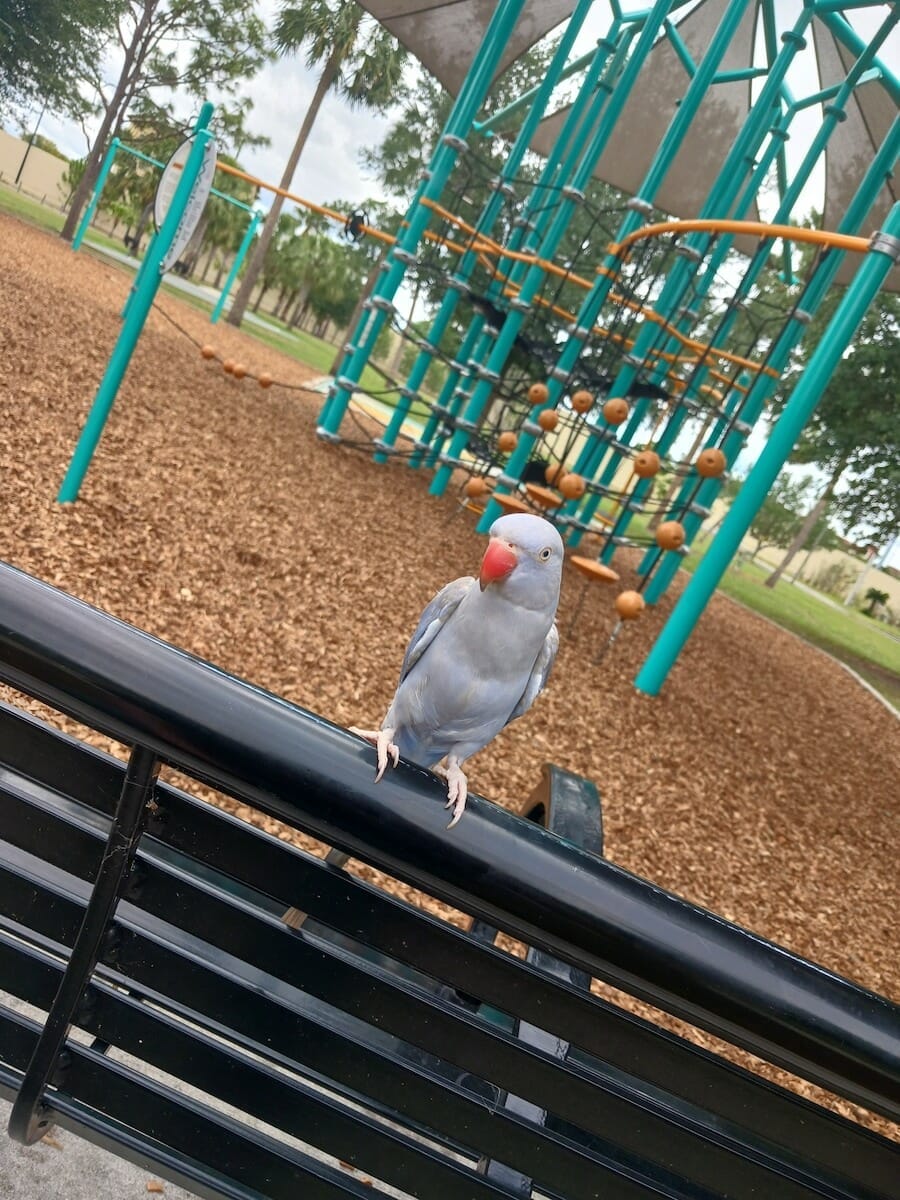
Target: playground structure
{"x": 596, "y": 367}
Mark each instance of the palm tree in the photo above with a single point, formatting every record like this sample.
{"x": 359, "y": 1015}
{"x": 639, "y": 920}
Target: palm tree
{"x": 875, "y": 597}
{"x": 359, "y": 60}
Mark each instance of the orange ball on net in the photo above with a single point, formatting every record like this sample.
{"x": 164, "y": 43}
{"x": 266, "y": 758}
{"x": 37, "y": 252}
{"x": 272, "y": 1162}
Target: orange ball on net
{"x": 548, "y": 419}
{"x": 582, "y": 401}
{"x": 507, "y": 442}
{"x": 629, "y": 605}
{"x": 207, "y": 352}
{"x": 228, "y": 366}
{"x": 710, "y": 463}
{"x": 538, "y": 393}
{"x": 615, "y": 410}
{"x": 239, "y": 371}
{"x": 646, "y": 464}
{"x": 554, "y": 473}
{"x": 670, "y": 535}
{"x": 265, "y": 380}
{"x": 572, "y": 486}
{"x": 477, "y": 486}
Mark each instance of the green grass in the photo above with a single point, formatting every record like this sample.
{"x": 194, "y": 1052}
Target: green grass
{"x": 864, "y": 645}
{"x": 46, "y": 217}
{"x": 312, "y": 351}
{"x": 19, "y": 205}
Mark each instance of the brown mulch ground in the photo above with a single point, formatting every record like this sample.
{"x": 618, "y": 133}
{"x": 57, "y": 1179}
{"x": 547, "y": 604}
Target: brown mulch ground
{"x": 762, "y": 784}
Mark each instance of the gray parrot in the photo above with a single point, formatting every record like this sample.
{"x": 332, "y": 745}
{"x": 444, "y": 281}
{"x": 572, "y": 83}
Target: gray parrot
{"x": 481, "y": 655}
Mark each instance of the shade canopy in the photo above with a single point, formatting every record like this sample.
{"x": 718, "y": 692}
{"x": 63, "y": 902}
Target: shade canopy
{"x": 445, "y": 36}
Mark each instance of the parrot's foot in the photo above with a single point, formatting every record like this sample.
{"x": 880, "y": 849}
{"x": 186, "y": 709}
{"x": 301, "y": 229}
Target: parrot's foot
{"x": 382, "y": 740}
{"x": 457, "y": 790}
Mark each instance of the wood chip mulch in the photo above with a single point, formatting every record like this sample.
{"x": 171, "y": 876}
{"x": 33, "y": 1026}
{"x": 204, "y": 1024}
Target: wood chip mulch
{"x": 763, "y": 783}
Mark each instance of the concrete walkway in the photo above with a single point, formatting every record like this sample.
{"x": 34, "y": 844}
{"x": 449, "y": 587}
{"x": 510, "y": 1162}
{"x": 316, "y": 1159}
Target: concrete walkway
{"x": 65, "y": 1167}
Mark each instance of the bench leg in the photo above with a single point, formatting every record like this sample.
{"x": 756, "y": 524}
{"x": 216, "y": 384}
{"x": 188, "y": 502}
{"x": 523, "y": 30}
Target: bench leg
{"x": 30, "y": 1119}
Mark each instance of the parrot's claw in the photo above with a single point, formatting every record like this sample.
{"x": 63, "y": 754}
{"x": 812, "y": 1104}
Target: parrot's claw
{"x": 457, "y": 791}
{"x": 381, "y": 739}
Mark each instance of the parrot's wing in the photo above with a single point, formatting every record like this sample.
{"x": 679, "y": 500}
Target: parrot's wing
{"x": 540, "y": 673}
{"x": 436, "y": 614}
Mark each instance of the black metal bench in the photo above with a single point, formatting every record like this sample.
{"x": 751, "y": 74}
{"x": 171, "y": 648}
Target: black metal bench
{"x": 151, "y": 927}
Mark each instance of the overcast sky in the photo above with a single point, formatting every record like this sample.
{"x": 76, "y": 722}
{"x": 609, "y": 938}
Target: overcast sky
{"x": 330, "y": 167}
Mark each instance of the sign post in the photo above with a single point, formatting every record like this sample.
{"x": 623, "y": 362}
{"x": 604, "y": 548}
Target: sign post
{"x": 188, "y": 192}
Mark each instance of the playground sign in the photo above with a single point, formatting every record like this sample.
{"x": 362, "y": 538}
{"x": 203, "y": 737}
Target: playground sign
{"x": 196, "y": 203}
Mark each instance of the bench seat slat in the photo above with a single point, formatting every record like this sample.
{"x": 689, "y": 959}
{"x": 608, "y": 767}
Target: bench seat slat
{"x": 183, "y": 1128}
{"x": 199, "y": 826}
{"x": 215, "y": 997}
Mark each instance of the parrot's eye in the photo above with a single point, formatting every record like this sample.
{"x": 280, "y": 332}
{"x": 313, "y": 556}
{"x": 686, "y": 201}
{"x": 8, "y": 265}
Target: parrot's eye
{"x": 544, "y": 554}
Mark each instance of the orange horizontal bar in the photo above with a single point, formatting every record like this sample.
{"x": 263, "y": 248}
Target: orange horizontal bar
{"x": 789, "y": 233}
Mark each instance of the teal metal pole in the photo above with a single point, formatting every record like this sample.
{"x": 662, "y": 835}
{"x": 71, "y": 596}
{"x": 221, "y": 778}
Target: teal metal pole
{"x": 720, "y": 201}
{"x": 137, "y": 315}
{"x": 560, "y": 163}
{"x": 96, "y": 194}
{"x": 467, "y": 104}
{"x": 662, "y": 161}
{"x": 245, "y": 245}
{"x": 536, "y": 273}
{"x": 485, "y": 223}
{"x": 884, "y": 253}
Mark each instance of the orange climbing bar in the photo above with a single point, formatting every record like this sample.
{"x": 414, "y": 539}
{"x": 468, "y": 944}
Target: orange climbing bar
{"x": 791, "y": 233}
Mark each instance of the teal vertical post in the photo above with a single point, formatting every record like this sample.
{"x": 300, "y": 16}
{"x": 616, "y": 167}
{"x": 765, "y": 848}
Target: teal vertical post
{"x": 96, "y": 194}
{"x": 137, "y": 315}
{"x": 486, "y": 222}
{"x": 381, "y": 304}
{"x": 884, "y": 252}
{"x": 536, "y": 273}
{"x": 245, "y": 245}
{"x": 662, "y": 161}
{"x": 880, "y": 168}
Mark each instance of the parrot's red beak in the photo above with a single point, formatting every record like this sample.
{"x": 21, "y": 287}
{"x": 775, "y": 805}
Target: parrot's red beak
{"x": 499, "y": 559}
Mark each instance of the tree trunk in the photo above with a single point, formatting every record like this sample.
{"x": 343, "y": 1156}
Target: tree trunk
{"x": 806, "y": 528}
{"x": 264, "y": 287}
{"x": 112, "y": 120}
{"x": 357, "y": 312}
{"x": 257, "y": 258}
{"x": 207, "y": 266}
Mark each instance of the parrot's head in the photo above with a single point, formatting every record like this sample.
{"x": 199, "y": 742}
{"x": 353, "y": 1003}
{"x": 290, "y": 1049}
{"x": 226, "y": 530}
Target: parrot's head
{"x": 525, "y": 558}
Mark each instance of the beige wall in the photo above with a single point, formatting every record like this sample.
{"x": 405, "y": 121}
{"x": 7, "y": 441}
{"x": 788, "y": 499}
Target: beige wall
{"x": 43, "y": 172}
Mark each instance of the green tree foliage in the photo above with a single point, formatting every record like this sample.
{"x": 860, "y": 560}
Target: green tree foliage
{"x": 48, "y": 48}
{"x": 190, "y": 45}
{"x": 780, "y": 514}
{"x": 357, "y": 59}
{"x": 854, "y": 434}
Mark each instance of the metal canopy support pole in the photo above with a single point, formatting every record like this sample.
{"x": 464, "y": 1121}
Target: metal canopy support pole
{"x": 536, "y": 272}
{"x": 719, "y": 202}
{"x": 833, "y": 115}
{"x": 560, "y": 164}
{"x": 30, "y": 1118}
{"x": 485, "y": 224}
{"x": 467, "y": 104}
{"x": 138, "y": 307}
{"x": 884, "y": 254}
{"x": 762, "y": 387}
{"x": 663, "y": 160}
